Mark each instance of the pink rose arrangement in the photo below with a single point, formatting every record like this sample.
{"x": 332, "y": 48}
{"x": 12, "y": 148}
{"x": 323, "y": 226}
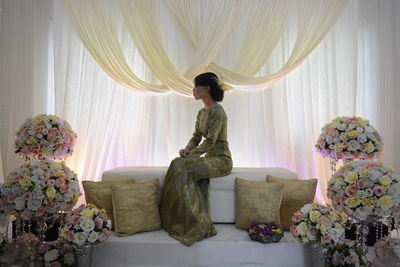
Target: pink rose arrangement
{"x": 318, "y": 223}
{"x": 387, "y": 251}
{"x": 39, "y": 188}
{"x": 346, "y": 254}
{"x": 45, "y": 137}
{"x": 87, "y": 225}
{"x": 349, "y": 138}
{"x": 364, "y": 190}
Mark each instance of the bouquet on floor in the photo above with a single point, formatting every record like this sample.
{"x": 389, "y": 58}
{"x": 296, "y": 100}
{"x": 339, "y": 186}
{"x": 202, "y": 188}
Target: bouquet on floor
{"x": 40, "y": 188}
{"x": 346, "y": 254}
{"x": 21, "y": 250}
{"x": 55, "y": 254}
{"x": 45, "y": 137}
{"x": 349, "y": 138}
{"x": 387, "y": 252}
{"x": 318, "y": 223}
{"x": 364, "y": 190}
{"x": 87, "y": 225}
{"x": 265, "y": 233}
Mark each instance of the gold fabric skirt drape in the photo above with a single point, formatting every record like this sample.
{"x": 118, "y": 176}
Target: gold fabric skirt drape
{"x": 185, "y": 206}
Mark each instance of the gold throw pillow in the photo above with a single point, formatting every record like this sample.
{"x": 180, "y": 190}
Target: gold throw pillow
{"x": 99, "y": 194}
{"x": 136, "y": 208}
{"x": 296, "y": 194}
{"x": 257, "y": 201}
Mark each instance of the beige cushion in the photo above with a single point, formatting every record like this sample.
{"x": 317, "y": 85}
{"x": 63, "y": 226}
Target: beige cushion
{"x": 257, "y": 201}
{"x": 99, "y": 194}
{"x": 136, "y": 208}
{"x": 295, "y": 195}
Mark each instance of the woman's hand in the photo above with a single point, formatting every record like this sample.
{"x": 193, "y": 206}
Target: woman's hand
{"x": 184, "y": 153}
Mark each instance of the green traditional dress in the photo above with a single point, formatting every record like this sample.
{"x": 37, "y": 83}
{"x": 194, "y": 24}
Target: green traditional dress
{"x": 185, "y": 207}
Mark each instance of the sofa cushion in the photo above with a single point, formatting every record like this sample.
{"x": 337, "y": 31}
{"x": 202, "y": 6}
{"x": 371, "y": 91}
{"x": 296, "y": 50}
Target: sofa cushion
{"x": 136, "y": 208}
{"x": 222, "y": 189}
{"x": 296, "y": 194}
{"x": 99, "y": 194}
{"x": 257, "y": 202}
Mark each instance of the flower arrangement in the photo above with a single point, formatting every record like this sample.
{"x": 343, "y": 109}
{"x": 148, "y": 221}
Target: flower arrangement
{"x": 314, "y": 222}
{"x": 45, "y": 137}
{"x": 40, "y": 188}
{"x": 346, "y": 254}
{"x": 364, "y": 190}
{"x": 87, "y": 225}
{"x": 55, "y": 254}
{"x": 265, "y": 233}
{"x": 387, "y": 251}
{"x": 349, "y": 138}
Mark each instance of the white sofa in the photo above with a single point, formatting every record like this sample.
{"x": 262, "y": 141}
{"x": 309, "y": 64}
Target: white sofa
{"x": 230, "y": 247}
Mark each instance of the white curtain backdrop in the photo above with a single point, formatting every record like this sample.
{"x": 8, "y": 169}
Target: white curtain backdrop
{"x": 353, "y": 71}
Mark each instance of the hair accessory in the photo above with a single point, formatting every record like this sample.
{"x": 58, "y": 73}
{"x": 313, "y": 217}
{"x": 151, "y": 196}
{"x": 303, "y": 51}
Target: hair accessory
{"x": 222, "y": 85}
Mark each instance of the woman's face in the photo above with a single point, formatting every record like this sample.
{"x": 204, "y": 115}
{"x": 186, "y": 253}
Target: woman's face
{"x": 200, "y": 92}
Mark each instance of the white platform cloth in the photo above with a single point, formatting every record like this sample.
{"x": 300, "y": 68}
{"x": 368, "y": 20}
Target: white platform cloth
{"x": 222, "y": 189}
{"x": 230, "y": 247}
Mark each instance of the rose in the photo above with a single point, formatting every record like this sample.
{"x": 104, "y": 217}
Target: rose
{"x": 325, "y": 221}
{"x": 351, "y": 177}
{"x": 365, "y": 183}
{"x": 302, "y": 228}
{"x": 93, "y": 237}
{"x": 51, "y": 255}
{"x": 336, "y": 234}
{"x": 87, "y": 225}
{"x": 34, "y": 204}
{"x": 80, "y": 238}
{"x": 386, "y": 202}
{"x": 314, "y": 215}
{"x": 351, "y": 190}
{"x": 385, "y": 181}
{"x": 69, "y": 258}
{"x": 326, "y": 238}
{"x": 19, "y": 203}
{"x": 337, "y": 258}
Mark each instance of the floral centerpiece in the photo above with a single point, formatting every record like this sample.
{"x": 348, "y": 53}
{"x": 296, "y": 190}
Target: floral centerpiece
{"x": 349, "y": 138}
{"x": 388, "y": 252}
{"x": 265, "y": 233}
{"x": 346, "y": 254}
{"x": 55, "y": 254}
{"x": 45, "y": 137}
{"x": 87, "y": 225}
{"x": 314, "y": 222}
{"x": 364, "y": 190}
{"x": 40, "y": 188}
{"x": 21, "y": 250}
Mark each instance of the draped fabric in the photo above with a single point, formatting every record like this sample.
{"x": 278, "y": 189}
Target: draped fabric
{"x": 206, "y": 25}
{"x": 354, "y": 70}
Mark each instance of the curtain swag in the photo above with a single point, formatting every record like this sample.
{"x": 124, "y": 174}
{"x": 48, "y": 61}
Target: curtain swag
{"x": 206, "y": 26}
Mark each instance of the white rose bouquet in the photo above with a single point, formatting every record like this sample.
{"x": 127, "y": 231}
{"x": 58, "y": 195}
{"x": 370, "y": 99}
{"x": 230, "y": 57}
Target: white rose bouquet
{"x": 87, "y": 225}
{"x": 364, "y": 190}
{"x": 40, "y": 188}
{"x": 45, "y": 137}
{"x": 314, "y": 222}
{"x": 349, "y": 138}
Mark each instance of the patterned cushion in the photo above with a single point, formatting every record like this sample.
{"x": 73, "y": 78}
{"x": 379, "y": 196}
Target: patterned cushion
{"x": 295, "y": 195}
{"x": 99, "y": 194}
{"x": 257, "y": 201}
{"x": 136, "y": 208}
